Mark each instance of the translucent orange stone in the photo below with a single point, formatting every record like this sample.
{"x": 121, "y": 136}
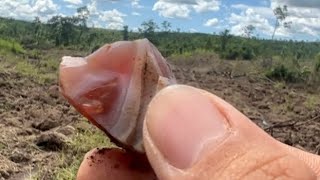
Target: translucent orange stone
{"x": 113, "y": 86}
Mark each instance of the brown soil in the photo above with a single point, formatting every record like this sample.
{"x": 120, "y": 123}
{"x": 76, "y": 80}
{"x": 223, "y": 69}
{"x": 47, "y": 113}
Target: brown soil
{"x": 33, "y": 119}
{"x": 36, "y": 121}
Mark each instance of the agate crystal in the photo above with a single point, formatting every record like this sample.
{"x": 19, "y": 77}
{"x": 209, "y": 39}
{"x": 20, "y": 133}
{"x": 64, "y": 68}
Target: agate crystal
{"x": 113, "y": 86}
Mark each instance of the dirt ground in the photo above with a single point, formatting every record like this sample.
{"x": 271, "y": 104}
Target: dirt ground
{"x": 35, "y": 122}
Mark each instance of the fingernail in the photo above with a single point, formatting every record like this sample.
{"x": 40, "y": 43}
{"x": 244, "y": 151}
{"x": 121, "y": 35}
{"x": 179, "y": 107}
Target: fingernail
{"x": 181, "y": 121}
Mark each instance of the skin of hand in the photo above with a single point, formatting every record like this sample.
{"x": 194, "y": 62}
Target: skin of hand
{"x": 192, "y": 134}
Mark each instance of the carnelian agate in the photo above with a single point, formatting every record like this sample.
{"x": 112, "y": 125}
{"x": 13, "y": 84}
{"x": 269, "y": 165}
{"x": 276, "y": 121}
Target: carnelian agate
{"x": 113, "y": 86}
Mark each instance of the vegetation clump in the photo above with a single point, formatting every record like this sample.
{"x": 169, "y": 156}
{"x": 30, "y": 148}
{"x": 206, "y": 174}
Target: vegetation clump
{"x": 11, "y": 45}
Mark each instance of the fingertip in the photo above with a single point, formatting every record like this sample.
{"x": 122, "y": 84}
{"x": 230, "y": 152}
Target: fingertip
{"x": 117, "y": 164}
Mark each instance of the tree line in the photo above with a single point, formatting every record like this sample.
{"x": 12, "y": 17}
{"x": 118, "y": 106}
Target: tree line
{"x": 73, "y": 32}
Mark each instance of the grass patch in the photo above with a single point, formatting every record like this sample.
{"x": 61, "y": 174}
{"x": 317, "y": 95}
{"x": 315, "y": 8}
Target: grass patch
{"x": 194, "y": 58}
{"x": 87, "y": 138}
{"x": 279, "y": 85}
{"x": 311, "y": 101}
{"x": 188, "y": 54}
{"x": 49, "y": 65}
{"x": 27, "y": 69}
{"x": 69, "y": 159}
{"x": 43, "y": 71}
{"x": 12, "y": 46}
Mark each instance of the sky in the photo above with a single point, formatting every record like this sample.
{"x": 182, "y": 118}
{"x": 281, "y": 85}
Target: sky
{"x": 207, "y": 16}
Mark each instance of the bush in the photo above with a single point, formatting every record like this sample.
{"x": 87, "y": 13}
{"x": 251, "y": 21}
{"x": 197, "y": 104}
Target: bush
{"x": 34, "y": 54}
{"x": 28, "y": 42}
{"x": 317, "y": 64}
{"x": 231, "y": 53}
{"x": 11, "y": 46}
{"x": 283, "y": 73}
{"x": 247, "y": 53}
{"x": 95, "y": 48}
{"x": 244, "y": 52}
{"x": 315, "y": 74}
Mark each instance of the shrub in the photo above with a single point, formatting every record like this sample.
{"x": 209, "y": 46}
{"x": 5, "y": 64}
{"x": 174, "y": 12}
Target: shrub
{"x": 283, "y": 73}
{"x": 247, "y": 53}
{"x": 34, "y": 54}
{"x": 317, "y": 64}
{"x": 11, "y": 46}
{"x": 315, "y": 75}
{"x": 306, "y": 72}
{"x": 28, "y": 42}
{"x": 96, "y": 47}
{"x": 231, "y": 53}
{"x": 244, "y": 52}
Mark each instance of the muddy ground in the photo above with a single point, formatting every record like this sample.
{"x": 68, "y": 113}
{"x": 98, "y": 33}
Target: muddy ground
{"x": 36, "y": 122}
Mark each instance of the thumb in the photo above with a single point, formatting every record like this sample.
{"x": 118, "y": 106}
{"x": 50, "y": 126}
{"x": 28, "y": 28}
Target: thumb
{"x": 192, "y": 134}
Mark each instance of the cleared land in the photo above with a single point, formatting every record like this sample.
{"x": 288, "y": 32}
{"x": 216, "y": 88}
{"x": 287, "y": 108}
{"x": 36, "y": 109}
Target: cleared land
{"x": 42, "y": 137}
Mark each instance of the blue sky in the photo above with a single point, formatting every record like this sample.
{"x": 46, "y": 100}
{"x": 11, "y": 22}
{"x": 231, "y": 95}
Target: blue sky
{"x": 208, "y": 16}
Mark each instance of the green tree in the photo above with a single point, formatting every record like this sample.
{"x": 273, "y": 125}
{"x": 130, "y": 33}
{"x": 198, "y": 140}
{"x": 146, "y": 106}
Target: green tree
{"x": 148, "y": 29}
{"x": 125, "y": 33}
{"x": 317, "y": 64}
{"x": 166, "y": 26}
{"x": 248, "y": 31}
{"x": 4, "y": 30}
{"x": 63, "y": 29}
{"x": 208, "y": 45}
{"x": 81, "y": 19}
{"x": 83, "y": 15}
{"x": 37, "y": 25}
{"x": 281, "y": 13}
{"x": 225, "y": 36}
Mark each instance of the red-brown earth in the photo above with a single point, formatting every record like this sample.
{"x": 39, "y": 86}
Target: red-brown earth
{"x": 36, "y": 122}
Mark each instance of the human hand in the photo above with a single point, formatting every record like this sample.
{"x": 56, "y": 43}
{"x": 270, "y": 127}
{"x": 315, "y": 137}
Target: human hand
{"x": 192, "y": 134}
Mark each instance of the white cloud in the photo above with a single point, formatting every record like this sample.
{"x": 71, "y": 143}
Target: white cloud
{"x": 77, "y": 2}
{"x": 263, "y": 11}
{"x": 297, "y": 3}
{"x": 135, "y": 29}
{"x": 181, "y": 1}
{"x": 135, "y": 14}
{"x": 239, "y": 6}
{"x": 211, "y": 22}
{"x": 28, "y": 9}
{"x": 203, "y": 6}
{"x": 136, "y": 4}
{"x": 111, "y": 19}
{"x": 171, "y": 10}
{"x": 183, "y": 8}
{"x": 192, "y": 30}
{"x": 114, "y": 18}
{"x": 92, "y": 7}
{"x": 115, "y": 25}
{"x": 96, "y": 24}
{"x": 249, "y": 17}
{"x": 309, "y": 26}
{"x": 71, "y": 6}
{"x": 304, "y": 16}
